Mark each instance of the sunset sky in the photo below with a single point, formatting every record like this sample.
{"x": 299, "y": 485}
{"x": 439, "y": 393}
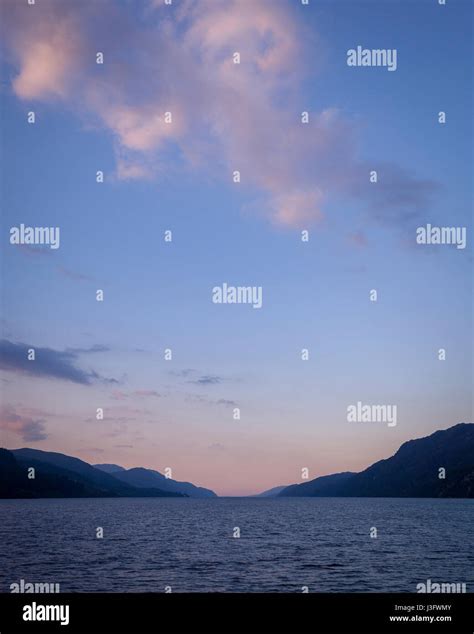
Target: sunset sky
{"x": 178, "y": 176}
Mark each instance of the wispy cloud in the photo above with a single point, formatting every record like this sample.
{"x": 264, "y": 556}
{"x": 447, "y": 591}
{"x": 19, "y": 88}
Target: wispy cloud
{"x": 97, "y": 347}
{"x": 227, "y": 402}
{"x": 182, "y": 373}
{"x": 89, "y": 450}
{"x": 243, "y": 117}
{"x": 73, "y": 275}
{"x": 145, "y": 393}
{"x": 207, "y": 379}
{"x": 119, "y": 395}
{"x": 29, "y": 429}
{"x": 206, "y": 400}
{"x": 48, "y": 363}
{"x": 31, "y": 250}
{"x": 196, "y": 378}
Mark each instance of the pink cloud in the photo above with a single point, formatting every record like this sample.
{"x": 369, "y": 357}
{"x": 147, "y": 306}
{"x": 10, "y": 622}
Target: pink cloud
{"x": 129, "y": 170}
{"x": 29, "y": 429}
{"x": 144, "y": 128}
{"x": 298, "y": 207}
{"x": 45, "y": 46}
{"x": 145, "y": 393}
{"x": 225, "y": 116}
{"x": 118, "y": 395}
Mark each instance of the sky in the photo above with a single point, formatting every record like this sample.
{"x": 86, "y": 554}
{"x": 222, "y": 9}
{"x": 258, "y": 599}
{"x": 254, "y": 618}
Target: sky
{"x": 236, "y": 409}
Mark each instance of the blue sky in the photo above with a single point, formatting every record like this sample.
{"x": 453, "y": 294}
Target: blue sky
{"x": 179, "y": 413}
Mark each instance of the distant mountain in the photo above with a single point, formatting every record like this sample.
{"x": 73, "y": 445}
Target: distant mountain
{"x": 148, "y": 478}
{"x": 270, "y": 493}
{"x": 323, "y": 486}
{"x": 109, "y": 468}
{"x": 413, "y": 471}
{"x": 58, "y": 475}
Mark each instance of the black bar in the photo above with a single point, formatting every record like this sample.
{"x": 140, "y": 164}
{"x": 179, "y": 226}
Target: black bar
{"x": 242, "y": 613}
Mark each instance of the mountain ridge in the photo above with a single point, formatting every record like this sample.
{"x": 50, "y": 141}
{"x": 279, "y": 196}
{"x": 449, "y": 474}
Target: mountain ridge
{"x": 412, "y": 471}
{"x": 438, "y": 465}
{"x": 141, "y": 477}
{"x": 33, "y": 473}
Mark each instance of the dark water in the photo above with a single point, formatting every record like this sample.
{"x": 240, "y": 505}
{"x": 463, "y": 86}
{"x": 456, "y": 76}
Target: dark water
{"x": 285, "y": 544}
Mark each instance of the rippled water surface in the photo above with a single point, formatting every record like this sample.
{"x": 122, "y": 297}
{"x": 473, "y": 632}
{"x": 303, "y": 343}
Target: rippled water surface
{"x": 285, "y": 544}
